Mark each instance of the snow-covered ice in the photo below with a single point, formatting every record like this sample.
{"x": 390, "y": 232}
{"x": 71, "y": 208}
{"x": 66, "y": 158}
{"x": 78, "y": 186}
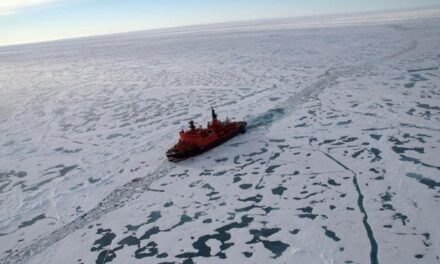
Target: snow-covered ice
{"x": 340, "y": 163}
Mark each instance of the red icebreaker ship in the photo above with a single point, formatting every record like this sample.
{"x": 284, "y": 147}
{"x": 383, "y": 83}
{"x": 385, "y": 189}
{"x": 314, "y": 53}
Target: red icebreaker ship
{"x": 198, "y": 140}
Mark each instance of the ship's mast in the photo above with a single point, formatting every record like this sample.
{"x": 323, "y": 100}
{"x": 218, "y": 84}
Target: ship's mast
{"x": 191, "y": 125}
{"x": 214, "y": 115}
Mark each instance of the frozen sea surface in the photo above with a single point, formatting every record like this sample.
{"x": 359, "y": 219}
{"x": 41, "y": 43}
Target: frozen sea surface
{"x": 340, "y": 163}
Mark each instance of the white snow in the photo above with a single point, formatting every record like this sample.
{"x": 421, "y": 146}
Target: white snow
{"x": 339, "y": 165}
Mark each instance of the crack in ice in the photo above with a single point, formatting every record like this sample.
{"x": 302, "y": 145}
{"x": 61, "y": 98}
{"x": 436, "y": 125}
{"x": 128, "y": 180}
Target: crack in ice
{"x": 360, "y": 202}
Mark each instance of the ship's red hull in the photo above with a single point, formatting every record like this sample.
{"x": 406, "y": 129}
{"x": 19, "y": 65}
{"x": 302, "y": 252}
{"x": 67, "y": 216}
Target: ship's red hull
{"x": 182, "y": 151}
